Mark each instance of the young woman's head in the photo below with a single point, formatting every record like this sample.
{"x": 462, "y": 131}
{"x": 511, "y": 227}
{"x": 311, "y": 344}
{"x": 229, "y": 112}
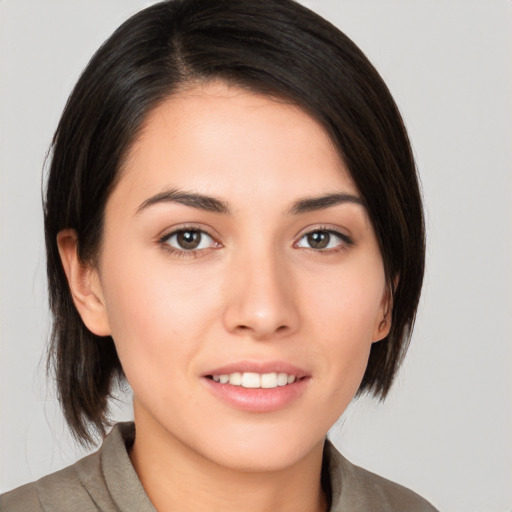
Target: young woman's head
{"x": 231, "y": 193}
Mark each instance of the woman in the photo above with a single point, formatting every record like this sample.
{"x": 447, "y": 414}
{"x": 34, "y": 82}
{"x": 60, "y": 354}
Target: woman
{"x": 233, "y": 224}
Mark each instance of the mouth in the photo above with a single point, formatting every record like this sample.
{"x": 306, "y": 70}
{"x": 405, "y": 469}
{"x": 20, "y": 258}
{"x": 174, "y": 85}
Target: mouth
{"x": 256, "y": 386}
{"x": 252, "y": 380}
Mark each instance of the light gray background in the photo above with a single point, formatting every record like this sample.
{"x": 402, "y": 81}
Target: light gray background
{"x": 446, "y": 428}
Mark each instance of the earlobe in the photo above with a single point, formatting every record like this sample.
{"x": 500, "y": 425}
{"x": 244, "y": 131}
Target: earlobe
{"x": 84, "y": 284}
{"x": 382, "y": 325}
{"x": 382, "y": 330}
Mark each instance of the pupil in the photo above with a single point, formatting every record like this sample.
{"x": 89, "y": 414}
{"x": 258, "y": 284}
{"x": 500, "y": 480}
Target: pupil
{"x": 189, "y": 239}
{"x": 319, "y": 239}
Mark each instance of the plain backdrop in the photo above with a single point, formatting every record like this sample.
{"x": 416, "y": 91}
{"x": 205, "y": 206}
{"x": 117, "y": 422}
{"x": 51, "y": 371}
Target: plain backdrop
{"x": 446, "y": 428}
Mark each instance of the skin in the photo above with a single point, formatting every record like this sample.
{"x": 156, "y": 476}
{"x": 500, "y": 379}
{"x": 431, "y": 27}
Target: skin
{"x": 255, "y": 290}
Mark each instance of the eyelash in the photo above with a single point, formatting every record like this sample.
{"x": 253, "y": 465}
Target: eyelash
{"x": 345, "y": 241}
{"x": 183, "y": 253}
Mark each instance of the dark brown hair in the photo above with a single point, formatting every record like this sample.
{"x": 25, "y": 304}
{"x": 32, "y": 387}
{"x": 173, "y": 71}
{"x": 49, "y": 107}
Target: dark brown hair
{"x": 275, "y": 47}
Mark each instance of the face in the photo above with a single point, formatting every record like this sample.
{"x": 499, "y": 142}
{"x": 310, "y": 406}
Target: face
{"x": 240, "y": 278}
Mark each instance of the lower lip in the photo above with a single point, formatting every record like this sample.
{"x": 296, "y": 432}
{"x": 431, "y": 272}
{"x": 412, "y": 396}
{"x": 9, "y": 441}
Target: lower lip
{"x": 259, "y": 399}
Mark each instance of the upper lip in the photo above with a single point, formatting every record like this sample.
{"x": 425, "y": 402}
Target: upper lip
{"x": 261, "y": 367}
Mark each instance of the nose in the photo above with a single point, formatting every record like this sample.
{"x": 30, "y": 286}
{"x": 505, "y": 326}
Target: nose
{"x": 262, "y": 302}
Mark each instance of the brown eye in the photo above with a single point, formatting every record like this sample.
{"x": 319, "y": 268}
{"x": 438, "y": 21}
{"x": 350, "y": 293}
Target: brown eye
{"x": 189, "y": 240}
{"x": 318, "y": 239}
{"x": 324, "y": 240}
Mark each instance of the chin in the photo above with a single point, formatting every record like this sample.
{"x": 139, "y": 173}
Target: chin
{"x": 262, "y": 453}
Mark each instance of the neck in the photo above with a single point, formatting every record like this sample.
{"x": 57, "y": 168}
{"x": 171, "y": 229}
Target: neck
{"x": 175, "y": 477}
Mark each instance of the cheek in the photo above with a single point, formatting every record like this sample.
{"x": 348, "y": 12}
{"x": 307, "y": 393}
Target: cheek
{"x": 342, "y": 316}
{"x": 156, "y": 314}
{"x": 347, "y": 303}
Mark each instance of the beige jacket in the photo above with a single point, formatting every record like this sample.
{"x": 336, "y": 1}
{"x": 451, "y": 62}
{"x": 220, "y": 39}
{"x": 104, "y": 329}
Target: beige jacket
{"x": 106, "y": 481}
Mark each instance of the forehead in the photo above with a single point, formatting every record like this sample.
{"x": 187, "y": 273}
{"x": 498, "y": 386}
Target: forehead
{"x": 224, "y": 140}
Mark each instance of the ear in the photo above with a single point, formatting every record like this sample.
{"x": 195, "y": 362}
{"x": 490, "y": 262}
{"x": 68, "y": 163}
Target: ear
{"x": 382, "y": 324}
{"x": 84, "y": 284}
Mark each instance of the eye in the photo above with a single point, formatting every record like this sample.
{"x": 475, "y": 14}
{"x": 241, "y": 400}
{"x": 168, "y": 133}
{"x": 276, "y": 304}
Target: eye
{"x": 324, "y": 240}
{"x": 188, "y": 240}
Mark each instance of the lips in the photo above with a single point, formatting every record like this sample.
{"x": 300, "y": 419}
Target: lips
{"x": 257, "y": 387}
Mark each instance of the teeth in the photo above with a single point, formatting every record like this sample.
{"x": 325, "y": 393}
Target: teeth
{"x": 255, "y": 380}
{"x": 282, "y": 379}
{"x": 235, "y": 379}
{"x": 251, "y": 380}
{"x": 269, "y": 380}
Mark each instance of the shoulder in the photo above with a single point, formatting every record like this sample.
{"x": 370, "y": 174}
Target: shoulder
{"x": 82, "y": 486}
{"x": 356, "y": 489}
{"x": 67, "y": 489}
{"x": 385, "y": 493}
{"x": 20, "y": 499}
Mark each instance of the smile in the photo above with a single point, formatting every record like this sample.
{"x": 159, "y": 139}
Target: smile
{"x": 255, "y": 380}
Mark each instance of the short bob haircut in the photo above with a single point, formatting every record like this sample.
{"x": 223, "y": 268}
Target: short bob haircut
{"x": 276, "y": 48}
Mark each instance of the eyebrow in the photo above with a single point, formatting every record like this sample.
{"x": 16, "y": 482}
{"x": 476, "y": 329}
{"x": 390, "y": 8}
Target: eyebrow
{"x": 212, "y": 204}
{"x": 311, "y": 204}
{"x": 200, "y": 201}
